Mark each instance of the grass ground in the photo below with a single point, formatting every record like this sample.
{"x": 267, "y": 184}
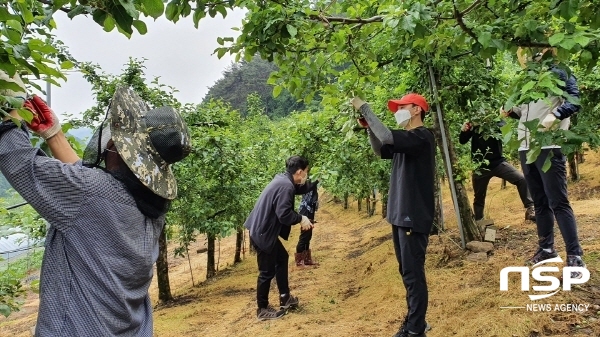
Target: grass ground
{"x": 357, "y": 291}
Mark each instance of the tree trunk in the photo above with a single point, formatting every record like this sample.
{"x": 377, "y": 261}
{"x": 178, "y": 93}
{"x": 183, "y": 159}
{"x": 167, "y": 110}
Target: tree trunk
{"x": 471, "y": 232}
{"x": 503, "y": 185}
{"x": 239, "y": 239}
{"x": 359, "y": 202}
{"x": 384, "y": 198}
{"x": 573, "y": 166}
{"x": 345, "y": 200}
{"x": 162, "y": 269}
{"x": 210, "y": 257}
{"x": 373, "y": 204}
{"x": 579, "y": 155}
{"x": 438, "y": 216}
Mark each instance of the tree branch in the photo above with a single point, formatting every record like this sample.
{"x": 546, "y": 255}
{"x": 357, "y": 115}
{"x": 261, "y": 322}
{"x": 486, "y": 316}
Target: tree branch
{"x": 459, "y": 19}
{"x": 49, "y": 3}
{"x": 346, "y": 21}
{"x": 470, "y": 8}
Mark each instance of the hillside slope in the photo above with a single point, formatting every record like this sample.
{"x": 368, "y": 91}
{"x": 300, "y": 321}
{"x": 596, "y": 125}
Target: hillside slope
{"x": 357, "y": 291}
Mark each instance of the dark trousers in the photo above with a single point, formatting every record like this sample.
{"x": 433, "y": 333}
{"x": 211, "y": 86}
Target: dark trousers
{"x": 549, "y": 191}
{"x": 504, "y": 171}
{"x": 410, "y": 253}
{"x": 271, "y": 265}
{"x": 304, "y": 241}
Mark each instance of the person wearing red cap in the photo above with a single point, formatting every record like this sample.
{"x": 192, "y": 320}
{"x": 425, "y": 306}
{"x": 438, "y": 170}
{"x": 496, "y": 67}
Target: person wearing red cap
{"x": 410, "y": 206}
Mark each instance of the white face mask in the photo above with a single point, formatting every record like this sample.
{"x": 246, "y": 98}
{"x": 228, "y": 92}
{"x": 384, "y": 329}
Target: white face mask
{"x": 403, "y": 116}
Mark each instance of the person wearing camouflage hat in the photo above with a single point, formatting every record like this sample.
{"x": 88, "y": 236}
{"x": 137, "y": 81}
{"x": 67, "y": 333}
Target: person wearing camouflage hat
{"x": 105, "y": 215}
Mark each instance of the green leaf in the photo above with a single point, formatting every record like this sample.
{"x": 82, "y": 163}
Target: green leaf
{"x": 140, "y": 26}
{"x": 123, "y": 20}
{"x": 99, "y": 16}
{"x": 198, "y": 15}
{"x": 568, "y": 44}
{"x": 548, "y": 162}
{"x": 14, "y": 24}
{"x": 129, "y": 7}
{"x": 172, "y": 10}
{"x": 277, "y": 91}
{"x": 79, "y": 9}
{"x": 528, "y": 86}
{"x": 221, "y": 52}
{"x": 221, "y": 9}
{"x": 26, "y": 114}
{"x": 5, "y": 15}
{"x": 582, "y": 40}
{"x": 532, "y": 154}
{"x": 485, "y": 39}
{"x": 292, "y": 30}
{"x": 153, "y": 8}
{"x": 109, "y": 24}
{"x": 556, "y": 39}
{"x": 67, "y": 65}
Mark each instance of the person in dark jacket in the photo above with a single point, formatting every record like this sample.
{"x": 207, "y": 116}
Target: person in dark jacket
{"x": 308, "y": 207}
{"x": 272, "y": 217}
{"x": 487, "y": 152}
{"x": 411, "y": 196}
{"x": 549, "y": 187}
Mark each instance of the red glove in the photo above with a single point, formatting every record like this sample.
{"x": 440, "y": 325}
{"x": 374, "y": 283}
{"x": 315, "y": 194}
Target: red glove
{"x": 363, "y": 122}
{"x": 44, "y": 122}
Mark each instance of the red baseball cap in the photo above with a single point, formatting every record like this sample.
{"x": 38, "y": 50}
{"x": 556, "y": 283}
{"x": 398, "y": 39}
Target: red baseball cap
{"x": 408, "y": 99}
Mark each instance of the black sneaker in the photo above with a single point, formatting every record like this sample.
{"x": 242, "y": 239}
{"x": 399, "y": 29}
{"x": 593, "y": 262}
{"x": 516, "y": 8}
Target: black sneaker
{"x": 540, "y": 256}
{"x": 530, "y": 213}
{"x": 288, "y": 302}
{"x": 268, "y": 313}
{"x": 404, "y": 330}
{"x": 575, "y": 261}
{"x": 406, "y": 333}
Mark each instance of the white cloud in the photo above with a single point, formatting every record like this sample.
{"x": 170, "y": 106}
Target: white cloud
{"x": 180, "y": 54}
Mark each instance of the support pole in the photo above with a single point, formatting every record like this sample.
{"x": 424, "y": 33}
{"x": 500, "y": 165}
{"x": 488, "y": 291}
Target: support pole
{"x": 433, "y": 85}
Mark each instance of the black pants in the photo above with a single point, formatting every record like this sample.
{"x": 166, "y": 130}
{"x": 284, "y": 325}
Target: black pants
{"x": 504, "y": 171}
{"x": 304, "y": 241}
{"x": 410, "y": 253}
{"x": 271, "y": 265}
{"x": 305, "y": 236}
{"x": 549, "y": 191}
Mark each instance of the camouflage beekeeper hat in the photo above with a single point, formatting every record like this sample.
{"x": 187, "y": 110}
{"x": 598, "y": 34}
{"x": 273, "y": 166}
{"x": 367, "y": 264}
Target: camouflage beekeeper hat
{"x": 148, "y": 140}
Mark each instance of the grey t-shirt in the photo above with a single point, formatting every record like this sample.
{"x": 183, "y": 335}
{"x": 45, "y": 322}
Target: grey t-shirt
{"x": 411, "y": 194}
{"x": 100, "y": 249}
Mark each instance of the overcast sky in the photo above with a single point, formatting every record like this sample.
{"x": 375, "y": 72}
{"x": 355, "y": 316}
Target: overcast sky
{"x": 178, "y": 53}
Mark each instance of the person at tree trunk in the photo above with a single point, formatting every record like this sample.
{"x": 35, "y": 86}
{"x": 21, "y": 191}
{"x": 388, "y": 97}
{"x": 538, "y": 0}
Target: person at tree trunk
{"x": 487, "y": 152}
{"x": 549, "y": 187}
{"x": 308, "y": 207}
{"x": 410, "y": 208}
{"x": 104, "y": 224}
{"x": 272, "y": 217}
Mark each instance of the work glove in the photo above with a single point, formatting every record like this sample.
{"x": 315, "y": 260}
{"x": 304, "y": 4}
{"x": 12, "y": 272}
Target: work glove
{"x": 466, "y": 127}
{"x": 305, "y": 224}
{"x": 44, "y": 122}
{"x": 363, "y": 122}
{"x": 357, "y": 102}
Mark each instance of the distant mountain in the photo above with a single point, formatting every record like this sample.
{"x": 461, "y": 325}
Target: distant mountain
{"x": 83, "y": 134}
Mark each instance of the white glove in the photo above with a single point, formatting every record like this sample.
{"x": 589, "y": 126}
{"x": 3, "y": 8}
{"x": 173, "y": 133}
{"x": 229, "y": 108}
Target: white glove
{"x": 548, "y": 122}
{"x": 305, "y": 224}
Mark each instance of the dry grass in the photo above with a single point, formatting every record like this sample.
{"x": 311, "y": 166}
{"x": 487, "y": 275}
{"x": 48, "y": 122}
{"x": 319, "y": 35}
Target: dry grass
{"x": 356, "y": 291}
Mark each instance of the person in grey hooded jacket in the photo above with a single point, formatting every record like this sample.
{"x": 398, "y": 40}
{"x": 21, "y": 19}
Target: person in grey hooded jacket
{"x": 549, "y": 189}
{"x": 272, "y": 217}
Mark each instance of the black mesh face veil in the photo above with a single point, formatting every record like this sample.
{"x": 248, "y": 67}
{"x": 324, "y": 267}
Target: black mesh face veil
{"x": 93, "y": 154}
